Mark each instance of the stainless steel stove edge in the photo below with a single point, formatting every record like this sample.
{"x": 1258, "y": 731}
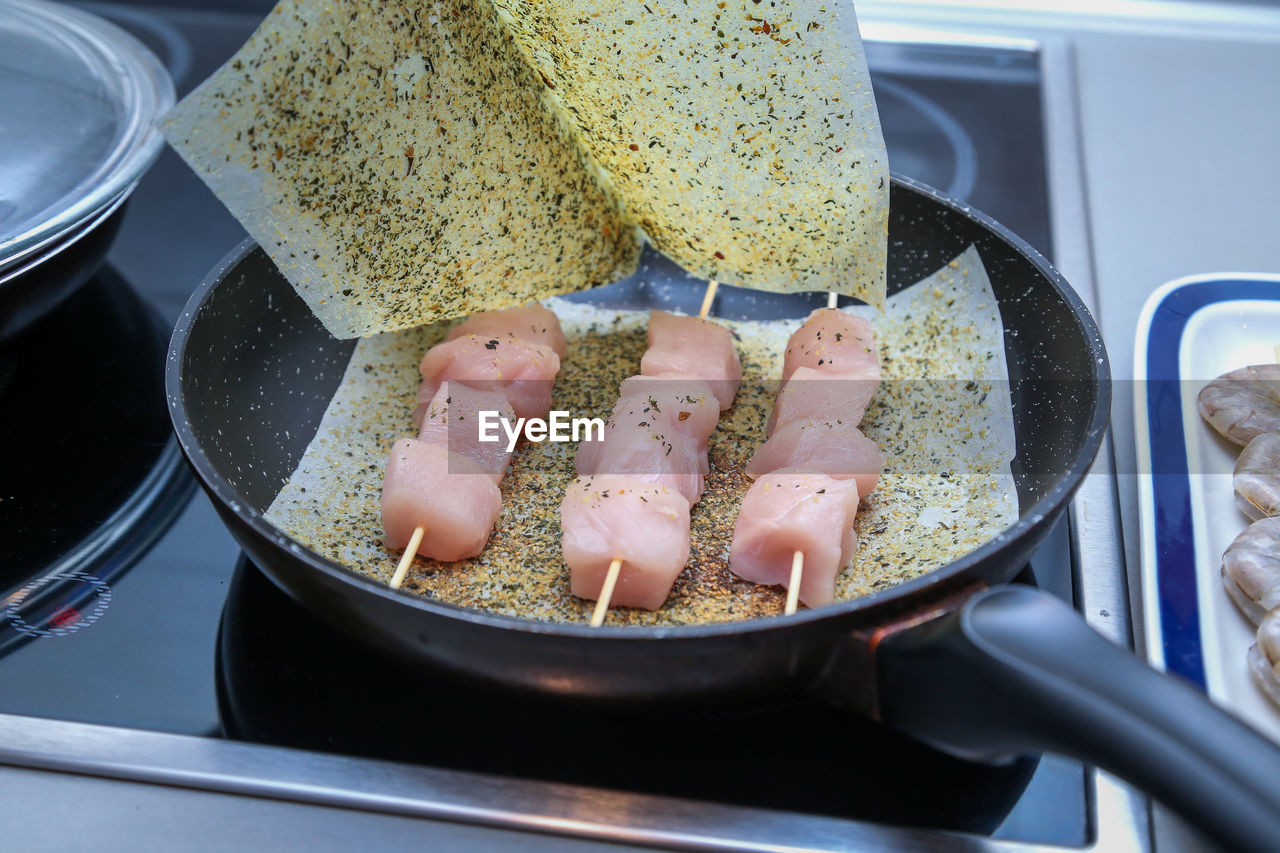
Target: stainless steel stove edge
{"x": 384, "y": 787}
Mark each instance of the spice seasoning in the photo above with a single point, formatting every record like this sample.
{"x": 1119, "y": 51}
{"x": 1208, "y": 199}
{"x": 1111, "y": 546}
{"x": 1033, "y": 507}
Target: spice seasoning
{"x": 400, "y": 165}
{"x": 943, "y": 408}
{"x": 406, "y": 162}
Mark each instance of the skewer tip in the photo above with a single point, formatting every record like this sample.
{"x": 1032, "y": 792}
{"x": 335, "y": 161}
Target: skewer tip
{"x": 606, "y": 593}
{"x": 406, "y": 559}
{"x": 793, "y": 588}
{"x": 708, "y": 298}
{"x": 833, "y": 299}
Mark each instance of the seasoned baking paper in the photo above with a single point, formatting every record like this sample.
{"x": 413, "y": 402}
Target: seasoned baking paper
{"x": 743, "y": 136}
{"x": 942, "y": 416}
{"x": 401, "y": 164}
{"x": 410, "y": 161}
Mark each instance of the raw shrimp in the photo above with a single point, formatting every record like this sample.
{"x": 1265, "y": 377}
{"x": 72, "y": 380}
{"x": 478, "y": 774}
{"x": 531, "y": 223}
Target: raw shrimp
{"x": 1257, "y": 476}
{"x": 1243, "y": 403}
{"x": 1264, "y": 656}
{"x": 1251, "y": 568}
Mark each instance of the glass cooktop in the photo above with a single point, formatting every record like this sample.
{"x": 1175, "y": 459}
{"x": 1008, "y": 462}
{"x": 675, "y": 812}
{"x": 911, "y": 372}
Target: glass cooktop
{"x": 170, "y": 629}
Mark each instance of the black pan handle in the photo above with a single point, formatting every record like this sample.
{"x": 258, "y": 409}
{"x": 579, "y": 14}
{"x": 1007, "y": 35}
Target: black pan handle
{"x": 1016, "y": 670}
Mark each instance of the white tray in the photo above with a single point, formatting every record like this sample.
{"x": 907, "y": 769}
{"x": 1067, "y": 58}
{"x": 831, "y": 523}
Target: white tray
{"x": 1191, "y": 331}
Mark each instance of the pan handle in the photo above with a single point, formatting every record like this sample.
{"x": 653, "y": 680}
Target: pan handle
{"x": 1016, "y": 670}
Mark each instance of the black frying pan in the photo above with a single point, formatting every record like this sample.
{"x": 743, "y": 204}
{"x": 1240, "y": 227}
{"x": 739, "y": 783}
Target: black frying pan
{"x": 953, "y": 657}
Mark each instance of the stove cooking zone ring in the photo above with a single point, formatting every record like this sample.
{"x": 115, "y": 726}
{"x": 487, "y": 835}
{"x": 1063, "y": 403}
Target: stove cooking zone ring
{"x": 62, "y": 620}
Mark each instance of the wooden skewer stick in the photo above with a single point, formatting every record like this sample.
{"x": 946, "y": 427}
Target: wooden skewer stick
{"x": 606, "y": 593}
{"x": 797, "y": 559}
{"x": 1277, "y": 352}
{"x": 615, "y": 567}
{"x": 707, "y": 299}
{"x": 410, "y": 551}
{"x": 793, "y": 588}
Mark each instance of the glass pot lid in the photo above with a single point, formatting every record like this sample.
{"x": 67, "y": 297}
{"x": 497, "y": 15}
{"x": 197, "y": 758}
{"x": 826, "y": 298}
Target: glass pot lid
{"x": 80, "y": 98}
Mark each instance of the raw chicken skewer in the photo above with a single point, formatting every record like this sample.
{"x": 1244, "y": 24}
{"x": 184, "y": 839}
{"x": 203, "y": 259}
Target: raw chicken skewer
{"x": 614, "y": 571}
{"x": 656, "y": 440}
{"x": 816, "y": 464}
{"x": 459, "y": 405}
{"x": 797, "y": 557}
{"x": 446, "y": 480}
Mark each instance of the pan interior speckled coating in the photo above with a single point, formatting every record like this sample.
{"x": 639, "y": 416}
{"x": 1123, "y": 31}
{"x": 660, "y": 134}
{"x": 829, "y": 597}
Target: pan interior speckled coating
{"x": 251, "y": 371}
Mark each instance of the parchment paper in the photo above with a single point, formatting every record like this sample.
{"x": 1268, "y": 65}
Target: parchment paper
{"x": 942, "y": 416}
{"x": 409, "y": 161}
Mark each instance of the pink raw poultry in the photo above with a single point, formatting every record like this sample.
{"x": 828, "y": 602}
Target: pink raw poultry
{"x": 835, "y": 342}
{"x": 446, "y": 494}
{"x": 789, "y": 511}
{"x": 532, "y": 323}
{"x": 835, "y": 448}
{"x": 642, "y": 442}
{"x": 520, "y": 369}
{"x": 612, "y": 516}
{"x": 689, "y": 346}
{"x": 452, "y": 419}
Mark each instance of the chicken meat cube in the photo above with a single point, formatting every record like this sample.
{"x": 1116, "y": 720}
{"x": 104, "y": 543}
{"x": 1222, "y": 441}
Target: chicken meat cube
{"x": 686, "y": 401}
{"x": 522, "y": 370}
{"x": 835, "y": 448}
{"x": 789, "y": 511}
{"x": 445, "y": 493}
{"x": 452, "y": 419}
{"x": 812, "y": 395}
{"x": 532, "y": 322}
{"x": 641, "y": 441}
{"x": 836, "y": 343}
{"x": 689, "y": 346}
{"x": 610, "y": 516}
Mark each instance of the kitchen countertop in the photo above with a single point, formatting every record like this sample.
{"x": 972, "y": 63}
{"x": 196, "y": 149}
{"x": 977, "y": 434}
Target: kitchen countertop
{"x": 1181, "y": 175}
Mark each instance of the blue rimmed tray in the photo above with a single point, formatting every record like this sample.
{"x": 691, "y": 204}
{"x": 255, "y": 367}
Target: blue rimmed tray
{"x": 1190, "y": 331}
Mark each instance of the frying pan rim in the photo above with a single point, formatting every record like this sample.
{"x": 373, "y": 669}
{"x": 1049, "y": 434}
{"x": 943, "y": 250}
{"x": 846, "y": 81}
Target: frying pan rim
{"x": 1045, "y": 507}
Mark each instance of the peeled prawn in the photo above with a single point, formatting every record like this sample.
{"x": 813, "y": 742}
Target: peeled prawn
{"x": 1264, "y": 656}
{"x": 1251, "y": 572}
{"x": 1251, "y": 568}
{"x": 1243, "y": 403}
{"x": 1257, "y": 477}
